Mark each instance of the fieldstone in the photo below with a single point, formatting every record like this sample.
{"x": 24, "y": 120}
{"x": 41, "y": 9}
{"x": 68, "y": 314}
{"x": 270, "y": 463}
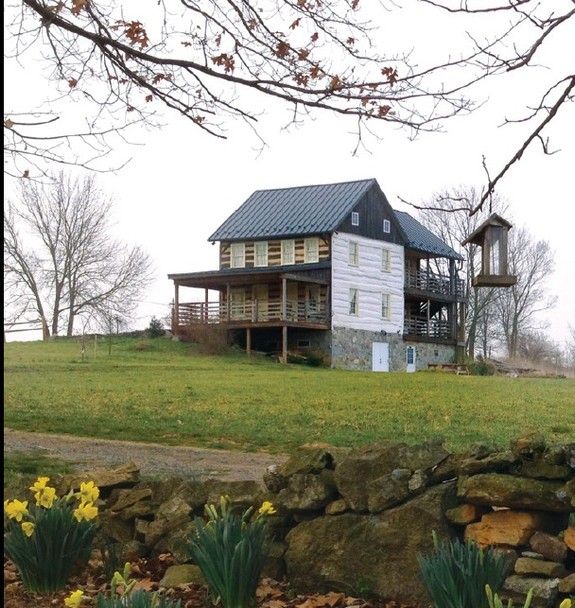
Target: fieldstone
{"x": 368, "y": 463}
{"x": 305, "y": 460}
{"x": 496, "y": 489}
{"x": 337, "y": 507}
{"x": 569, "y": 537}
{"x": 123, "y": 498}
{"x": 539, "y": 469}
{"x": 516, "y": 588}
{"x": 498, "y": 462}
{"x": 182, "y": 574}
{"x": 388, "y": 490}
{"x": 105, "y": 479}
{"x": 342, "y": 547}
{"x": 243, "y": 494}
{"x": 529, "y": 445}
{"x": 549, "y": 546}
{"x": 513, "y": 528}
{"x": 567, "y": 584}
{"x": 273, "y": 480}
{"x": 465, "y": 514}
{"x": 539, "y": 567}
{"x": 305, "y": 493}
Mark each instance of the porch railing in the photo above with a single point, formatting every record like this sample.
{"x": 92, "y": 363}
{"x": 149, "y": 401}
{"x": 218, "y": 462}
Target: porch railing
{"x": 422, "y": 327}
{"x": 424, "y": 280}
{"x": 251, "y": 312}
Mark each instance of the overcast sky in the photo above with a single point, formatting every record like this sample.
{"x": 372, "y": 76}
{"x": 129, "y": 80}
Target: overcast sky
{"x": 181, "y": 183}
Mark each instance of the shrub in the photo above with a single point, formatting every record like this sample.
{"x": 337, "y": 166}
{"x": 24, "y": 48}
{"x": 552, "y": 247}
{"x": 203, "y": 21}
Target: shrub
{"x": 456, "y": 574}
{"x": 230, "y": 550}
{"x": 314, "y": 360}
{"x": 47, "y": 539}
{"x": 155, "y": 329}
{"x": 481, "y": 368}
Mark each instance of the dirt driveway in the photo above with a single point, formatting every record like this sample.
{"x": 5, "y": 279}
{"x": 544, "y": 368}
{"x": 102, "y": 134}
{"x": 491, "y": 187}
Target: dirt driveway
{"x": 154, "y": 460}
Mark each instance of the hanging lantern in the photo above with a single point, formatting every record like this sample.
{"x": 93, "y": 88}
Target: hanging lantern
{"x": 491, "y": 236}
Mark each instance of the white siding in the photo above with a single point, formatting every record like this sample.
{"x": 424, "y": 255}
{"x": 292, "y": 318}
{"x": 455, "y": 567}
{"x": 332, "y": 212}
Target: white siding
{"x": 371, "y": 281}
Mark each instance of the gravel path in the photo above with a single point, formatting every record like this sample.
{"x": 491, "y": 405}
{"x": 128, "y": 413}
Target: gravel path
{"x": 153, "y": 459}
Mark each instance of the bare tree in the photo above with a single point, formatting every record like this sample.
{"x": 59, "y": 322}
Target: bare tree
{"x": 209, "y": 60}
{"x": 444, "y": 216}
{"x": 518, "y": 306}
{"x": 60, "y": 260}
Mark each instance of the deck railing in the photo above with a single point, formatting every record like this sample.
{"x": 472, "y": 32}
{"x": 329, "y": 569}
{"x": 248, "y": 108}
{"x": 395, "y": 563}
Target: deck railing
{"x": 438, "y": 329}
{"x": 251, "y": 312}
{"x": 432, "y": 282}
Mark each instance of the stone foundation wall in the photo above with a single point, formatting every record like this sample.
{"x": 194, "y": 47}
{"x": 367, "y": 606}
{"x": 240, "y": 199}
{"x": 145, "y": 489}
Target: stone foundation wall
{"x": 352, "y": 349}
{"x": 365, "y": 514}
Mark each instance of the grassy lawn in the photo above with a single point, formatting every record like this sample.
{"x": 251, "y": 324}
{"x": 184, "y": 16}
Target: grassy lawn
{"x": 168, "y": 392}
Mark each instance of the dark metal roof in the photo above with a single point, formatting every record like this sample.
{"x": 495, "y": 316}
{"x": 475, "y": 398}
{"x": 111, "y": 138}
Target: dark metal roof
{"x": 293, "y": 211}
{"x": 319, "y": 209}
{"x": 422, "y": 239}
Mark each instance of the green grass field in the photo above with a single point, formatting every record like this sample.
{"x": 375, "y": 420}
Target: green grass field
{"x": 168, "y": 392}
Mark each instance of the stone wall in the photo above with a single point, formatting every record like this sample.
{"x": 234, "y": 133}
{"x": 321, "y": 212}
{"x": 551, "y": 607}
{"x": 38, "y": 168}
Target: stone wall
{"x": 362, "y": 516}
{"x": 352, "y": 349}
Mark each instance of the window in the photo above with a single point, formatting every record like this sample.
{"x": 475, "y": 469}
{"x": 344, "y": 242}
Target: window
{"x": 261, "y": 253}
{"x": 353, "y": 301}
{"x": 303, "y": 344}
{"x": 288, "y": 252}
{"x": 238, "y": 255}
{"x": 386, "y": 306}
{"x": 354, "y": 218}
{"x": 386, "y": 260}
{"x": 386, "y": 226}
{"x": 312, "y": 250}
{"x": 353, "y": 253}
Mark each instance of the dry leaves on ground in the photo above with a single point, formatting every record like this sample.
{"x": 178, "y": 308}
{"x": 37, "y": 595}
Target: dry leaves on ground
{"x": 149, "y": 572}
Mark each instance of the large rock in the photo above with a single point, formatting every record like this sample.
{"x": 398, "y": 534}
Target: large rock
{"x": 369, "y": 463}
{"x": 305, "y": 493}
{"x": 511, "y": 528}
{"x": 329, "y": 552}
{"x": 125, "y": 476}
{"x": 494, "y": 489}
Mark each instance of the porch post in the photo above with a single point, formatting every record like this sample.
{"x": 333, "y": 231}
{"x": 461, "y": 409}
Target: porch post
{"x": 176, "y": 311}
{"x": 284, "y": 299}
{"x": 248, "y": 341}
{"x": 284, "y": 344}
{"x": 206, "y": 304}
{"x": 228, "y": 301}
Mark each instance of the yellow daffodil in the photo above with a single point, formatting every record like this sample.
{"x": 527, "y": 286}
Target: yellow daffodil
{"x": 28, "y": 528}
{"x": 40, "y": 484}
{"x": 16, "y": 509}
{"x": 267, "y": 508}
{"x": 74, "y": 599}
{"x": 566, "y": 604}
{"x": 45, "y": 497}
{"x": 86, "y": 510}
{"x": 88, "y": 492}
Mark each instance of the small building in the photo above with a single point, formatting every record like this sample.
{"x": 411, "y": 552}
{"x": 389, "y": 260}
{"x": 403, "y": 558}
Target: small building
{"x": 330, "y": 269}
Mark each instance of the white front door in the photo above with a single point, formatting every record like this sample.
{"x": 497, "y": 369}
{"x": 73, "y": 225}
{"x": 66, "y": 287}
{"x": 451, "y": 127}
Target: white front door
{"x": 380, "y": 357}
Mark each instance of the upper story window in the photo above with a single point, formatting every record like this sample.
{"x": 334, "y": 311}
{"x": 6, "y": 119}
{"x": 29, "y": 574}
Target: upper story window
{"x": 386, "y": 260}
{"x": 238, "y": 255}
{"x": 288, "y": 252}
{"x": 353, "y": 253}
{"x": 353, "y": 301}
{"x": 311, "y": 250}
{"x": 354, "y": 218}
{"x": 386, "y": 306}
{"x": 386, "y": 226}
{"x": 261, "y": 253}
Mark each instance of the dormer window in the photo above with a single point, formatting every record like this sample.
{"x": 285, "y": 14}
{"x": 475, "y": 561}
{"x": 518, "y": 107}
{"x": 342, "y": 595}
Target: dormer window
{"x": 386, "y": 226}
{"x": 311, "y": 251}
{"x": 261, "y": 253}
{"x": 354, "y": 218}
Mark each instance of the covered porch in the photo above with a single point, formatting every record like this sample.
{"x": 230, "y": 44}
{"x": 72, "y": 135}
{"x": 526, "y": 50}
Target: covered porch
{"x": 252, "y": 298}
